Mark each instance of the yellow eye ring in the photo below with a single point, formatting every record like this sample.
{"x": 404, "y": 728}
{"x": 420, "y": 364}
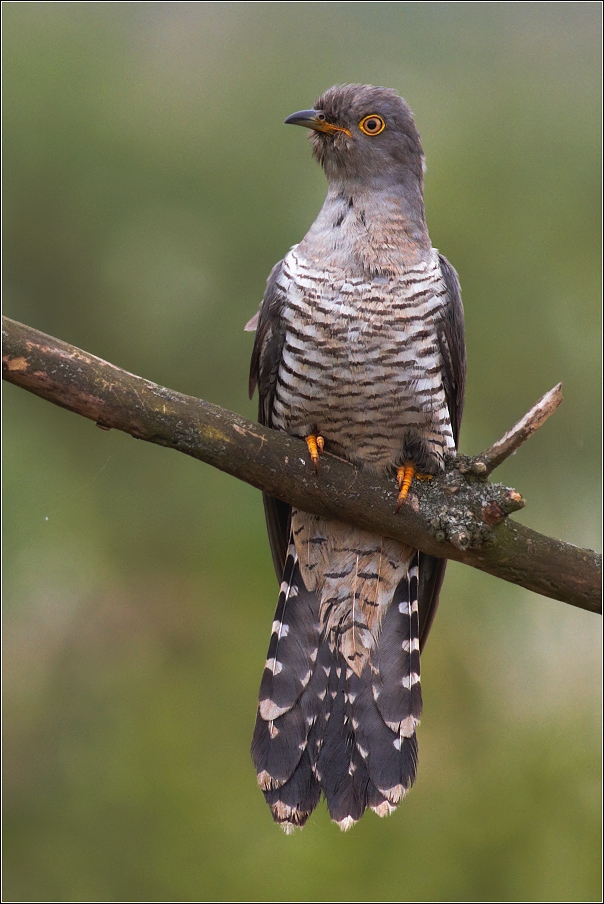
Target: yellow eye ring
{"x": 372, "y": 125}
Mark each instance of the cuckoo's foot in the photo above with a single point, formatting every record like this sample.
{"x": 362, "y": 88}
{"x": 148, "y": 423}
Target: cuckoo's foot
{"x": 404, "y": 478}
{"x": 315, "y": 445}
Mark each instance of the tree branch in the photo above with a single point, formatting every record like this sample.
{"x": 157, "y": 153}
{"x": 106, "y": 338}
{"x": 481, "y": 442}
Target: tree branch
{"x": 513, "y": 439}
{"x": 458, "y": 515}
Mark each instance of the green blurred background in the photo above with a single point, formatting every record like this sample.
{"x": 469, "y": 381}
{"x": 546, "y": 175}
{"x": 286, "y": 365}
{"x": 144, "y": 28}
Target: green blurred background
{"x": 149, "y": 187}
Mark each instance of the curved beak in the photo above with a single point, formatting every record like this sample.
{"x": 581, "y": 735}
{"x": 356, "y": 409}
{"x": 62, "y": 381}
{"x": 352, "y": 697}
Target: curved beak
{"x": 315, "y": 120}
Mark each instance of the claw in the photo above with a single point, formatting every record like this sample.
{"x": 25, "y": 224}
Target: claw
{"x": 315, "y": 445}
{"x": 404, "y": 478}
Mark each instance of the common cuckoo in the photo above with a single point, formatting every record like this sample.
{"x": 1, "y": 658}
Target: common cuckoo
{"x": 360, "y": 351}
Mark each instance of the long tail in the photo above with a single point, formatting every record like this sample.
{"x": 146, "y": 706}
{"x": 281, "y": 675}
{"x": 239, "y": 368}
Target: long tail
{"x": 320, "y": 727}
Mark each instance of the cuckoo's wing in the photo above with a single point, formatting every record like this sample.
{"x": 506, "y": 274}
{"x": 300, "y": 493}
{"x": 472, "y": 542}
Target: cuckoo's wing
{"x": 264, "y": 366}
{"x": 451, "y": 339}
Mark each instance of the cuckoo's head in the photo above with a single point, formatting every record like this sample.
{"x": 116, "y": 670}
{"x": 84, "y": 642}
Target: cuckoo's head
{"x": 364, "y": 134}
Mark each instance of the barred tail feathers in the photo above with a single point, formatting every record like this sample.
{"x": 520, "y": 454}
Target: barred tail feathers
{"x": 322, "y": 728}
{"x": 395, "y": 663}
{"x": 369, "y": 757}
{"x": 281, "y": 728}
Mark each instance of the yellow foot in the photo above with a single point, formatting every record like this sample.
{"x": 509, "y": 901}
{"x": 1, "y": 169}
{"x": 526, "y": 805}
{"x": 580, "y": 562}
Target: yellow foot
{"x": 315, "y": 445}
{"x": 404, "y": 478}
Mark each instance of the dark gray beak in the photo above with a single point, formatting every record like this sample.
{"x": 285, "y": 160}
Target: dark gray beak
{"x": 310, "y": 119}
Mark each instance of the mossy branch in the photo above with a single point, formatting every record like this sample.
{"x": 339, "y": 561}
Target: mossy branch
{"x": 458, "y": 515}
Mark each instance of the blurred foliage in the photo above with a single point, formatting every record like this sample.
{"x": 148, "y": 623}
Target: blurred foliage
{"x": 149, "y": 187}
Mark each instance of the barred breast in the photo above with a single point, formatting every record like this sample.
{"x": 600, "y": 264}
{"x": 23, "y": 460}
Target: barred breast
{"x": 361, "y": 364}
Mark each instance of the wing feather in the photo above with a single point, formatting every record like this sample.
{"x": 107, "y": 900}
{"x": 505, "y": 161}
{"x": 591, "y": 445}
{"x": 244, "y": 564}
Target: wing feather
{"x": 264, "y": 367}
{"x": 451, "y": 339}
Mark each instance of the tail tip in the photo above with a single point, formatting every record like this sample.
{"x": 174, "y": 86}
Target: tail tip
{"x": 384, "y": 809}
{"x": 289, "y": 818}
{"x": 346, "y": 823}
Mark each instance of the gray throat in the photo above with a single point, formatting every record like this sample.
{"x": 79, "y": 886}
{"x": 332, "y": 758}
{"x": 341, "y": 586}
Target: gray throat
{"x": 369, "y": 232}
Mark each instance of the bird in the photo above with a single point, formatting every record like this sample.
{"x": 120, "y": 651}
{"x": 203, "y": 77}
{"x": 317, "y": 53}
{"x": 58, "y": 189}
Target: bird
{"x": 360, "y": 351}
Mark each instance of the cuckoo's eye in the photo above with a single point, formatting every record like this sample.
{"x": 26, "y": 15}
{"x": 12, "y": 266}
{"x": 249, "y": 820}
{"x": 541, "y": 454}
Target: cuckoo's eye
{"x": 372, "y": 124}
